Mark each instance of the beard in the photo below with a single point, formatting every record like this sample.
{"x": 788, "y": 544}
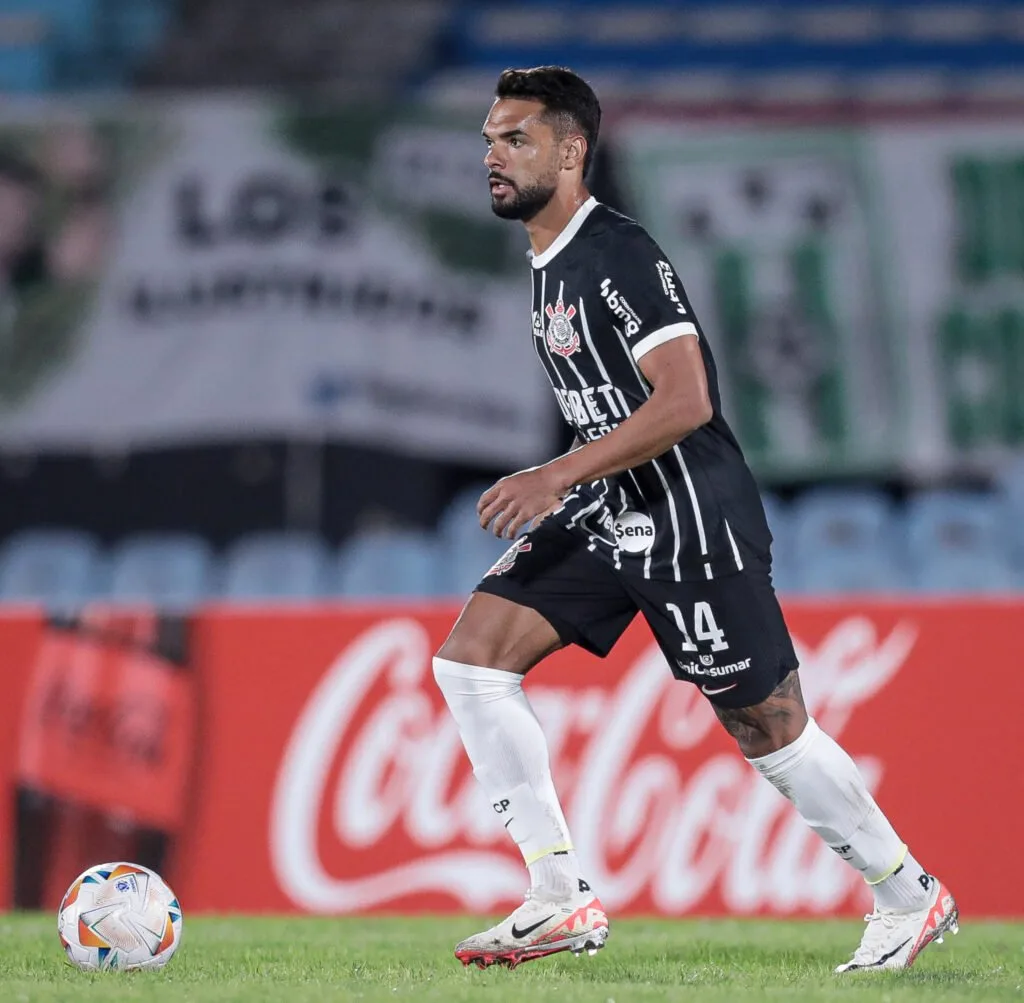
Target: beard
{"x": 524, "y": 203}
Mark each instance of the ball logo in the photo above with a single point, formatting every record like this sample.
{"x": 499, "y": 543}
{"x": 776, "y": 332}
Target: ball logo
{"x": 634, "y": 532}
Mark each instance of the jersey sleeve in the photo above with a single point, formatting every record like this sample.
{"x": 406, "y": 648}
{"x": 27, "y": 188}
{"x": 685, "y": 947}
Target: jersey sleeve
{"x": 643, "y": 295}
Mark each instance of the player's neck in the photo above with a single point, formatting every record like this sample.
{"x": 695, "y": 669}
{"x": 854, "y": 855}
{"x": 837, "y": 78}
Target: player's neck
{"x": 545, "y": 227}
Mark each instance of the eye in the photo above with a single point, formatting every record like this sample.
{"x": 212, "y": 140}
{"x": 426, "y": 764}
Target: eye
{"x": 516, "y": 141}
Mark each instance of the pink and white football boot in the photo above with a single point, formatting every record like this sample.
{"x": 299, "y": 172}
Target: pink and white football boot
{"x": 894, "y": 938}
{"x": 540, "y": 927}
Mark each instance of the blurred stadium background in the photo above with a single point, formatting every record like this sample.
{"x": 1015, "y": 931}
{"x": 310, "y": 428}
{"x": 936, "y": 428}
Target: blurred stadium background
{"x": 260, "y": 338}
{"x": 879, "y": 387}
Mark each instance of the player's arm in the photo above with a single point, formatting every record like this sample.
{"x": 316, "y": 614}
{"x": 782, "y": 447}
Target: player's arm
{"x": 679, "y": 404}
{"x": 648, "y": 307}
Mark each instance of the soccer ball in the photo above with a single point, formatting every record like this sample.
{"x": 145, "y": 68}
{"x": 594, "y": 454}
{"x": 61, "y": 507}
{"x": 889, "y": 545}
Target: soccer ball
{"x": 119, "y": 916}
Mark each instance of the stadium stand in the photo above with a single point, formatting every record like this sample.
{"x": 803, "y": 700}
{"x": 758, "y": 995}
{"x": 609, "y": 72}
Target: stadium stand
{"x": 793, "y": 51}
{"x": 389, "y": 563}
{"x": 276, "y": 566}
{"x": 829, "y": 541}
{"x": 173, "y": 569}
{"x": 81, "y": 45}
{"x": 59, "y": 568}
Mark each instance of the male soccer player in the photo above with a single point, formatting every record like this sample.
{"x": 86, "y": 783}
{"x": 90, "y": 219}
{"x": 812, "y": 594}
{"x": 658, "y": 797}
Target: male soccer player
{"x": 654, "y": 511}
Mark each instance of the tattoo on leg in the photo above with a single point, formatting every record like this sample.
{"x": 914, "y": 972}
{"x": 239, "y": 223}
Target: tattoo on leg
{"x": 769, "y": 725}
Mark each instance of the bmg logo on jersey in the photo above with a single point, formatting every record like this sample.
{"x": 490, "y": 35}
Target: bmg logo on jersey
{"x": 620, "y": 308}
{"x": 562, "y": 337}
{"x": 668, "y": 285}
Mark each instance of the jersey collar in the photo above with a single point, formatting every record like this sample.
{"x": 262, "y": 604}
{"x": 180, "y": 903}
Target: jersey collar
{"x": 570, "y": 231}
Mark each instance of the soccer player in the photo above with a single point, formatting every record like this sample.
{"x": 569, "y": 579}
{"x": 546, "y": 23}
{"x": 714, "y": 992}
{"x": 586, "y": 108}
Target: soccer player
{"x": 655, "y": 511}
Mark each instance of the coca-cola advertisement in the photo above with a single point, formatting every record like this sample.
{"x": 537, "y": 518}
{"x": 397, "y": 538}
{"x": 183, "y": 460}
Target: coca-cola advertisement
{"x": 302, "y": 760}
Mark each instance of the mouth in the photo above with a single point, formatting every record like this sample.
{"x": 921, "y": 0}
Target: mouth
{"x": 500, "y": 187}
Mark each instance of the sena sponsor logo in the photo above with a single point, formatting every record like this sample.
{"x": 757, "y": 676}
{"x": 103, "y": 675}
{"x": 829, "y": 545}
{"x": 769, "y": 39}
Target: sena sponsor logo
{"x": 634, "y": 532}
{"x": 668, "y": 285}
{"x": 619, "y": 306}
{"x": 693, "y": 669}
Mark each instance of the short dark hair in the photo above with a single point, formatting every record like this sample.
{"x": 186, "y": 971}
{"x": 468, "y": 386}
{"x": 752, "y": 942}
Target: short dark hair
{"x": 565, "y": 95}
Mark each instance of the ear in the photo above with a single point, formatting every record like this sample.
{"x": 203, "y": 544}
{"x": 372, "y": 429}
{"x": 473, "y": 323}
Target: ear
{"x": 573, "y": 153}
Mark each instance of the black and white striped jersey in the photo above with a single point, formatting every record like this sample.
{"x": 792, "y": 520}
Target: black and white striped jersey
{"x": 604, "y": 295}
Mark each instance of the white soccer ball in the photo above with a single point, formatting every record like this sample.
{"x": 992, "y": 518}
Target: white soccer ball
{"x": 119, "y": 916}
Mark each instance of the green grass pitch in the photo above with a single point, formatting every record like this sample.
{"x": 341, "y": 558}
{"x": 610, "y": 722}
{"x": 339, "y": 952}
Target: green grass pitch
{"x": 252, "y": 960}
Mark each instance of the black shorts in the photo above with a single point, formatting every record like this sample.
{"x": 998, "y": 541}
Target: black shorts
{"x": 727, "y": 635}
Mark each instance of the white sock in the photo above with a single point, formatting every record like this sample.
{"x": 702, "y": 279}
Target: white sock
{"x": 557, "y": 876}
{"x": 826, "y": 788}
{"x": 506, "y": 745}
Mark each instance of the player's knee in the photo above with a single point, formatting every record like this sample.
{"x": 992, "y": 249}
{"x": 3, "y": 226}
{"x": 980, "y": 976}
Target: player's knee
{"x": 758, "y": 734}
{"x": 488, "y": 651}
{"x": 754, "y": 742}
{"x": 469, "y": 650}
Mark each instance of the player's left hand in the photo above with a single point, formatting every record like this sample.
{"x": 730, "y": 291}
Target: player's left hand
{"x": 518, "y": 498}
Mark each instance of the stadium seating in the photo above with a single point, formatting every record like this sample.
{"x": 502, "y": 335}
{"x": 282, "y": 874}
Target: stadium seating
{"x": 1011, "y": 492}
{"x": 833, "y": 522}
{"x": 58, "y": 568}
{"x": 170, "y": 569}
{"x": 789, "y": 50}
{"x": 389, "y": 563}
{"x": 26, "y": 52}
{"x": 827, "y": 541}
{"x": 76, "y": 44}
{"x": 842, "y": 542}
{"x": 956, "y": 542}
{"x": 276, "y": 566}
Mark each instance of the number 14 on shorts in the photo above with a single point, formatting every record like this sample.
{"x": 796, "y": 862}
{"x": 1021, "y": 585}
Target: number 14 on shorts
{"x": 704, "y": 627}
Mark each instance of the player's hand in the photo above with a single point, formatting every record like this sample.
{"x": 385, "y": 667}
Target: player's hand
{"x": 518, "y": 498}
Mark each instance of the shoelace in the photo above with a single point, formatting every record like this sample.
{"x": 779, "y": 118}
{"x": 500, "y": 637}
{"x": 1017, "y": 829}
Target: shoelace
{"x": 879, "y": 924}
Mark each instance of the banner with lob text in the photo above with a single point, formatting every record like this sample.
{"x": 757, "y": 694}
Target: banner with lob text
{"x": 306, "y": 763}
{"x": 211, "y": 270}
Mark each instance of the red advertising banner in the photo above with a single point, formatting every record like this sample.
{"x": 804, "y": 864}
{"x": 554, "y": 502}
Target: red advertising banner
{"x": 101, "y": 754}
{"x": 21, "y": 635}
{"x": 331, "y": 779}
{"x": 104, "y": 711}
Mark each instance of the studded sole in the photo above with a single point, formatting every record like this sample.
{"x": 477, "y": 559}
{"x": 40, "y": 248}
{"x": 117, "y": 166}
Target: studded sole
{"x": 590, "y": 942}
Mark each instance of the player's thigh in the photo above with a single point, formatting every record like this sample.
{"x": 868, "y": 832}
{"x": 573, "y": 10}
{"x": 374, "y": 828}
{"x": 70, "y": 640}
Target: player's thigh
{"x": 500, "y": 634}
{"x": 546, "y": 592}
{"x": 727, "y": 636}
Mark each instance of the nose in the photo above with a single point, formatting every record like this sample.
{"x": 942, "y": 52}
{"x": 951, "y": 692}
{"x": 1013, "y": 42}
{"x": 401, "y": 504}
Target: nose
{"x": 492, "y": 159}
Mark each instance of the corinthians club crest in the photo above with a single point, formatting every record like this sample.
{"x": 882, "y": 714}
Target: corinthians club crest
{"x": 562, "y": 337}
{"x": 521, "y": 546}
